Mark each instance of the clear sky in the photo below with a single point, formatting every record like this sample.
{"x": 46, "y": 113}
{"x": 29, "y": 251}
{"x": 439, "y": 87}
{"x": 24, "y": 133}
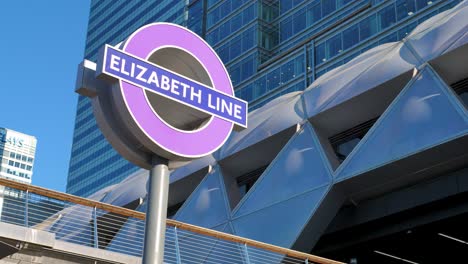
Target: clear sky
{"x": 41, "y": 44}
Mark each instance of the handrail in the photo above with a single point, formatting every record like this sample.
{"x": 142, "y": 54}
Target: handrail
{"x": 139, "y": 215}
{"x": 71, "y": 198}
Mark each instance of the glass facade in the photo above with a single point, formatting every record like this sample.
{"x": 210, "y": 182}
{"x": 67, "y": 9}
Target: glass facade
{"x": 270, "y": 47}
{"x": 378, "y": 138}
{"x": 413, "y": 113}
{"x": 94, "y": 164}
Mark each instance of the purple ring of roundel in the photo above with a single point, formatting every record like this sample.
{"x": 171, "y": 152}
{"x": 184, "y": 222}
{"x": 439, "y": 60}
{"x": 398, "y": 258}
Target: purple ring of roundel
{"x": 186, "y": 144}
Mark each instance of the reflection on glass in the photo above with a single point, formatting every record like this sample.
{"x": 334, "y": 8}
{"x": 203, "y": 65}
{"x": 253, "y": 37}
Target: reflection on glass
{"x": 206, "y": 206}
{"x": 422, "y": 117}
{"x": 299, "y": 167}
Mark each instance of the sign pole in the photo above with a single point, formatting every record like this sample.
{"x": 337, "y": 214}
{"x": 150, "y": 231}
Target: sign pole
{"x": 129, "y": 121}
{"x": 155, "y": 231}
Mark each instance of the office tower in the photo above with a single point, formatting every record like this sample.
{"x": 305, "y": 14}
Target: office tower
{"x": 94, "y": 164}
{"x": 17, "y": 152}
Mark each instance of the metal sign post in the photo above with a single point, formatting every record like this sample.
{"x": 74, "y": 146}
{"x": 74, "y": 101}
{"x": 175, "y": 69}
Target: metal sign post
{"x": 161, "y": 98}
{"x": 156, "y": 214}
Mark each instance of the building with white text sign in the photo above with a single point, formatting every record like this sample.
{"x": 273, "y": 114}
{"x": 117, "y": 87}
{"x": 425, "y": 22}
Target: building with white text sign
{"x": 17, "y": 152}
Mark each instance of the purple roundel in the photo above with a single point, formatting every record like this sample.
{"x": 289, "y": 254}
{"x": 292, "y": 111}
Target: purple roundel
{"x": 189, "y": 144}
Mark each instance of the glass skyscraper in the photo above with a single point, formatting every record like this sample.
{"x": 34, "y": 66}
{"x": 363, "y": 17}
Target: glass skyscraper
{"x": 270, "y": 47}
{"x": 94, "y": 164}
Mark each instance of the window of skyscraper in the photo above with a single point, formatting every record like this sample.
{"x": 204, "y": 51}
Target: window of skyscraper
{"x": 387, "y": 17}
{"x": 405, "y": 8}
{"x": 367, "y": 27}
{"x": 328, "y": 6}
{"x": 350, "y": 36}
{"x": 423, "y": 3}
{"x": 334, "y": 45}
{"x": 299, "y": 21}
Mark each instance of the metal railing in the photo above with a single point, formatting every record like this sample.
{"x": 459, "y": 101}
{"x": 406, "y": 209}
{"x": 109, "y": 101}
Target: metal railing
{"x": 104, "y": 226}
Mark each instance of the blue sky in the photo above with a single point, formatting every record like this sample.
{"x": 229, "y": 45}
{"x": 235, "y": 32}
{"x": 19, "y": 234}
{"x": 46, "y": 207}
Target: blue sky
{"x": 41, "y": 44}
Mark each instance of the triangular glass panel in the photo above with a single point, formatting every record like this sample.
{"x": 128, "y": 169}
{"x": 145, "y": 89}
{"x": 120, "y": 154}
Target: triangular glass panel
{"x": 299, "y": 167}
{"x": 281, "y": 223}
{"x": 207, "y": 205}
{"x": 422, "y": 116}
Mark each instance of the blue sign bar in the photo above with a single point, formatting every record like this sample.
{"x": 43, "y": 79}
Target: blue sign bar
{"x": 174, "y": 86}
